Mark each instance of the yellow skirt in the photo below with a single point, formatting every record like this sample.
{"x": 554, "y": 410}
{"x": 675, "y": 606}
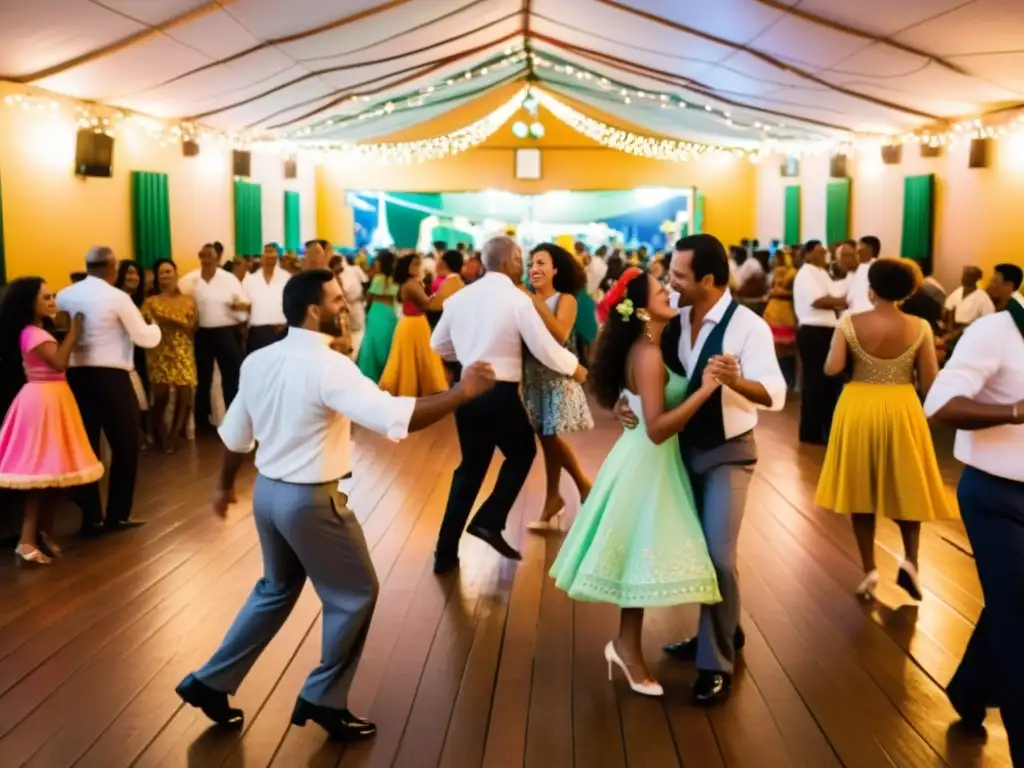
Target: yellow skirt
{"x": 413, "y": 368}
{"x": 880, "y": 458}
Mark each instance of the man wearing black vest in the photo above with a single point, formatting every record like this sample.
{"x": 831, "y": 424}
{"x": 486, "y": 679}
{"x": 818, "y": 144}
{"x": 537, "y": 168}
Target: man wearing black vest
{"x": 714, "y": 331}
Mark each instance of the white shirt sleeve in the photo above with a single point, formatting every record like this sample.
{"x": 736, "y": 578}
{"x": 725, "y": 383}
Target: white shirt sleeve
{"x": 344, "y": 389}
{"x": 759, "y": 363}
{"x": 975, "y": 360}
{"x": 953, "y": 299}
{"x": 236, "y": 428}
{"x": 540, "y": 341}
{"x": 141, "y": 333}
{"x": 441, "y": 338}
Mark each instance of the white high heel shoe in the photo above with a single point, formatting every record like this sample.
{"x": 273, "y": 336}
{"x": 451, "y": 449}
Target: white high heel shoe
{"x": 649, "y": 687}
{"x": 551, "y": 524}
{"x": 867, "y": 588}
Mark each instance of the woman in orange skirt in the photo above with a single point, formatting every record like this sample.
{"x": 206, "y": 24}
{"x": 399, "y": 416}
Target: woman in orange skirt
{"x": 43, "y": 443}
{"x": 413, "y": 368}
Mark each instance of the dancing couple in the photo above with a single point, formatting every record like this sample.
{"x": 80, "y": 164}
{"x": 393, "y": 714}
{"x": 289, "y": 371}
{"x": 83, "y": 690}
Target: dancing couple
{"x": 661, "y": 524}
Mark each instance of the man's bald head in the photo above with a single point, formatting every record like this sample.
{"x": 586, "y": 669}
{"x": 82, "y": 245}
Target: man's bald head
{"x": 101, "y": 262}
{"x": 502, "y": 254}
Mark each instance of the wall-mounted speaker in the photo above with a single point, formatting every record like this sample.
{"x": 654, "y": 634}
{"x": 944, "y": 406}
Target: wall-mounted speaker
{"x": 931, "y": 150}
{"x": 94, "y": 154}
{"x": 241, "y": 162}
{"x": 978, "y": 157}
{"x": 790, "y": 168}
{"x": 291, "y": 168}
{"x": 189, "y": 148}
{"x": 892, "y": 154}
{"x": 837, "y": 167}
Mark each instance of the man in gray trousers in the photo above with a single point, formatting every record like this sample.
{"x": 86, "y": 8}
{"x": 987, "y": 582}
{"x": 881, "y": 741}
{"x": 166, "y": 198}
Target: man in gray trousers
{"x": 294, "y": 404}
{"x": 714, "y": 332}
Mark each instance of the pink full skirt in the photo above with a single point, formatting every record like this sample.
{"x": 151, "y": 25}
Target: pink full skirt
{"x": 43, "y": 443}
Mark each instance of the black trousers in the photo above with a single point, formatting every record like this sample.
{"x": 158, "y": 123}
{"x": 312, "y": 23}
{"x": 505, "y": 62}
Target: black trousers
{"x": 495, "y": 420}
{"x": 820, "y": 392}
{"x": 222, "y": 345}
{"x": 992, "y": 671}
{"x": 261, "y": 336}
{"x": 107, "y": 402}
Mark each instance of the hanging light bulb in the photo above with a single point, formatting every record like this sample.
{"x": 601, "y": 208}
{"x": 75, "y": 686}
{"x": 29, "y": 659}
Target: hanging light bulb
{"x": 536, "y": 129}
{"x": 519, "y": 129}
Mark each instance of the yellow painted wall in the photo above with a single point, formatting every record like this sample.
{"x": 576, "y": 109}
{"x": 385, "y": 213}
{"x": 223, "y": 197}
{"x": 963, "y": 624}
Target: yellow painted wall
{"x": 977, "y": 210}
{"x": 52, "y": 217}
{"x": 569, "y": 161}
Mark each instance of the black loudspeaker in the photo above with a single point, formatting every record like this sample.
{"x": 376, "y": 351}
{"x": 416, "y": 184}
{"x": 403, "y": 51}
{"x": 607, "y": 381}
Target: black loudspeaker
{"x": 94, "y": 154}
{"x": 931, "y": 150}
{"x": 790, "y": 168}
{"x": 189, "y": 148}
{"x": 892, "y": 154}
{"x": 291, "y": 168}
{"x": 837, "y": 167}
{"x": 242, "y": 163}
{"x": 978, "y": 157}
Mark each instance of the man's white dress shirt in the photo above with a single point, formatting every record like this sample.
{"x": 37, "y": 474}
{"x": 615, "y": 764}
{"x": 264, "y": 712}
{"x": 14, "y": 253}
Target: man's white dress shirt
{"x": 215, "y": 297}
{"x": 266, "y": 297}
{"x": 749, "y": 339}
{"x": 858, "y": 297}
{"x": 987, "y": 365}
{"x": 488, "y": 321}
{"x": 295, "y": 401}
{"x": 811, "y": 284}
{"x": 966, "y": 310}
{"x": 748, "y": 270}
{"x": 113, "y": 325}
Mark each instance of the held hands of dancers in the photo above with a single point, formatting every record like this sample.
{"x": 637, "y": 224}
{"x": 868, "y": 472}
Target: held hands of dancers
{"x": 78, "y": 325}
{"x": 720, "y": 370}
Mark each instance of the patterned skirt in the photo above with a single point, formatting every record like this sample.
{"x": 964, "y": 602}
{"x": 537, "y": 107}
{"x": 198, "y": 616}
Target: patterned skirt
{"x": 555, "y": 404}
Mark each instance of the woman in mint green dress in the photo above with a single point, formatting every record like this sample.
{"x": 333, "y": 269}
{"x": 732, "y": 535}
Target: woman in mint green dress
{"x": 381, "y": 318}
{"x": 637, "y": 542}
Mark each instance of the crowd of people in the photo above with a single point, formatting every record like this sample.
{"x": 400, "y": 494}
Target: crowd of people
{"x": 685, "y": 350}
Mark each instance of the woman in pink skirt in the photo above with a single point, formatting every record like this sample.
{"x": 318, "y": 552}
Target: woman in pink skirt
{"x": 43, "y": 444}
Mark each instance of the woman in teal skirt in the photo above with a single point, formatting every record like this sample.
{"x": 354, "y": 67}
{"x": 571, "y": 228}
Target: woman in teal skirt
{"x": 380, "y": 318}
{"x": 637, "y": 543}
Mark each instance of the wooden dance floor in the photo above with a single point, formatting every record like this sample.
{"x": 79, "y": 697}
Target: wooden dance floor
{"x": 491, "y": 667}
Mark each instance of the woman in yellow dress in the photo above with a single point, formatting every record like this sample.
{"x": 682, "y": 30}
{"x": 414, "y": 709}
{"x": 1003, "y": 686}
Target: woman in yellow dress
{"x": 413, "y": 368}
{"x": 172, "y": 363}
{"x": 880, "y": 460}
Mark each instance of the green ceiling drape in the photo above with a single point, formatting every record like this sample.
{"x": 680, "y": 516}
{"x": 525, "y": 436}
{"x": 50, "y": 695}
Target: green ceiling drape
{"x": 151, "y": 217}
{"x": 698, "y": 213}
{"x": 791, "y": 228}
{"x": 292, "y": 237}
{"x": 404, "y": 220}
{"x": 248, "y": 218}
{"x": 837, "y": 211}
{"x": 918, "y": 217}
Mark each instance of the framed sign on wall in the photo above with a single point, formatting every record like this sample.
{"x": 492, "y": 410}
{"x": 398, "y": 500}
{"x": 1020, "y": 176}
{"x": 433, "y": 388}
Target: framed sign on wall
{"x": 528, "y": 164}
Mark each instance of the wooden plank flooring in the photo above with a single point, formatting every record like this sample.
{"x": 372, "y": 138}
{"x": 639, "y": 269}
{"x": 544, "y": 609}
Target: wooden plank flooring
{"x": 494, "y": 666}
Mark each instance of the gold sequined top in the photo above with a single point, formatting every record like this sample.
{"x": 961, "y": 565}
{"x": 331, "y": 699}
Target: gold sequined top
{"x": 876, "y": 370}
{"x": 173, "y": 361}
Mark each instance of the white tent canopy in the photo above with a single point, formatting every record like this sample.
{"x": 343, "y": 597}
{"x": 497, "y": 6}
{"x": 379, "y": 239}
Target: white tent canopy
{"x": 728, "y": 71}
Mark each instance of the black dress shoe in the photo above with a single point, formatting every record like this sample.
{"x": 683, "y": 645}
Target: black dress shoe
{"x": 711, "y": 688}
{"x": 214, "y": 704}
{"x": 687, "y": 649}
{"x": 92, "y": 530}
{"x": 340, "y": 724}
{"x": 123, "y": 525}
{"x": 972, "y": 717}
{"x": 496, "y": 541}
{"x": 443, "y": 564}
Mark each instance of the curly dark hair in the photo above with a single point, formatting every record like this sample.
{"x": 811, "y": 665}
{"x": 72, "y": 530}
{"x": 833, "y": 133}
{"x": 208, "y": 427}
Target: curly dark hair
{"x": 17, "y": 311}
{"x": 607, "y": 376}
{"x": 403, "y": 266}
{"x": 385, "y": 261}
{"x": 139, "y": 295}
{"x": 893, "y": 279}
{"x": 570, "y": 277}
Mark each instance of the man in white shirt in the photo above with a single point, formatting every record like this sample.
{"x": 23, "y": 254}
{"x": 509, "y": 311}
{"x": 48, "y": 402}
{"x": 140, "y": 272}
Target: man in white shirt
{"x": 966, "y": 304}
{"x": 858, "y": 298}
{"x": 816, "y": 305}
{"x": 489, "y": 321}
{"x": 98, "y": 374}
{"x": 264, "y": 289}
{"x": 981, "y": 393}
{"x": 352, "y": 281}
{"x": 293, "y": 406}
{"x": 222, "y": 306}
{"x": 713, "y": 331}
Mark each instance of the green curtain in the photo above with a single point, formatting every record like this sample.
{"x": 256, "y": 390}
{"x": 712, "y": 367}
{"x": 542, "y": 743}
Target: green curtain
{"x": 404, "y": 220}
{"x": 248, "y": 218}
{"x": 918, "y": 217}
{"x": 698, "y": 212}
{"x": 292, "y": 237}
{"x": 791, "y": 230}
{"x": 151, "y": 217}
{"x": 837, "y": 211}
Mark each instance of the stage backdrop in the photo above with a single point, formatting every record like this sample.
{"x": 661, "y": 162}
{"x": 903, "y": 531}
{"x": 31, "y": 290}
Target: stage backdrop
{"x": 394, "y": 218}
